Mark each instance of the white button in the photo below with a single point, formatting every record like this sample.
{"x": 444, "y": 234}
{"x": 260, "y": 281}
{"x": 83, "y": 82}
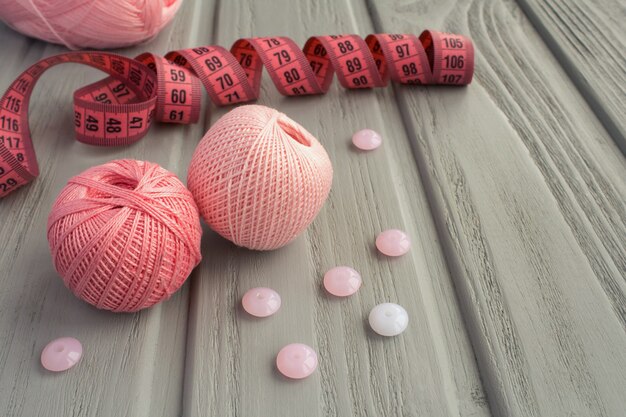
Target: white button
{"x": 388, "y": 319}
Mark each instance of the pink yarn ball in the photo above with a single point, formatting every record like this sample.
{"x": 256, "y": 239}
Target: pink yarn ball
{"x": 100, "y": 24}
{"x": 259, "y": 178}
{"x": 124, "y": 235}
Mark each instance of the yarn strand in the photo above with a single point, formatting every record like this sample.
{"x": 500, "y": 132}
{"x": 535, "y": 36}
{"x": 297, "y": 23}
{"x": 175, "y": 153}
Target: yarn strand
{"x": 256, "y": 181}
{"x": 99, "y": 24}
{"x": 124, "y": 235}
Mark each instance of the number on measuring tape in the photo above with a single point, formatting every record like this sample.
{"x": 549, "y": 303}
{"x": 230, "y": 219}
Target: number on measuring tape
{"x": 119, "y": 110}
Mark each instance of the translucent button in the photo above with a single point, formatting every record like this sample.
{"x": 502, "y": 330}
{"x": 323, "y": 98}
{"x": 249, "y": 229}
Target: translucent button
{"x": 366, "y": 139}
{"x": 261, "y": 301}
{"x": 393, "y": 242}
{"x": 296, "y": 361}
{"x": 61, "y": 354}
{"x": 342, "y": 281}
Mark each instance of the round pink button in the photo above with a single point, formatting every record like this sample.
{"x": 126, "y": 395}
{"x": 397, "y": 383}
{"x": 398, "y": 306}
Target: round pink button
{"x": 342, "y": 281}
{"x": 261, "y": 301}
{"x": 61, "y": 354}
{"x": 296, "y": 361}
{"x": 393, "y": 242}
{"x": 366, "y": 139}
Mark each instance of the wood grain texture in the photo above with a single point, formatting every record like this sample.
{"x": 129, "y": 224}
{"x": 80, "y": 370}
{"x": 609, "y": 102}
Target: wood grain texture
{"x": 133, "y": 363}
{"x": 511, "y": 188}
{"x": 430, "y": 369}
{"x": 528, "y": 193}
{"x": 589, "y": 40}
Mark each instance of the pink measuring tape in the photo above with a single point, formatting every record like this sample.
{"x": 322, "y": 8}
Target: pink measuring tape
{"x": 118, "y": 110}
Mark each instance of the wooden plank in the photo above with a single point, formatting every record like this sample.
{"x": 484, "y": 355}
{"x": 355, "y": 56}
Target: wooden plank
{"x": 529, "y": 198}
{"x": 588, "y": 39}
{"x": 133, "y": 363}
{"x": 430, "y": 369}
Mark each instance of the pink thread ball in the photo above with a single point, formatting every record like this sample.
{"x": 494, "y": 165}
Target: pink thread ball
{"x": 99, "y": 24}
{"x": 259, "y": 178}
{"x": 124, "y": 235}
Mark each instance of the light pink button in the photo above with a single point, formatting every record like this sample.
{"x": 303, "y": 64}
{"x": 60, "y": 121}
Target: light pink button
{"x": 61, "y": 354}
{"x": 366, "y": 139}
{"x": 342, "y": 281}
{"x": 296, "y": 361}
{"x": 393, "y": 242}
{"x": 261, "y": 301}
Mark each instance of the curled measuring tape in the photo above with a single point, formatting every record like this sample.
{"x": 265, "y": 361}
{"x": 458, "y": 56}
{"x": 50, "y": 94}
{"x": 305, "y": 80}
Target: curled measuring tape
{"x": 119, "y": 109}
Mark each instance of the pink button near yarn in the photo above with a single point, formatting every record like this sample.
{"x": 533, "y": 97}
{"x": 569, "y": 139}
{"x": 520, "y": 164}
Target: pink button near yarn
{"x": 61, "y": 354}
{"x": 366, "y": 139}
{"x": 261, "y": 301}
{"x": 342, "y": 281}
{"x": 393, "y": 242}
{"x": 296, "y": 361}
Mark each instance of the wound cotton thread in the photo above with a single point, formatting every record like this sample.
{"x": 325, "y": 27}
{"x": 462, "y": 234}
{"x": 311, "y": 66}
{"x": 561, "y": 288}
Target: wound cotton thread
{"x": 124, "y": 235}
{"x": 259, "y": 178}
{"x": 100, "y": 24}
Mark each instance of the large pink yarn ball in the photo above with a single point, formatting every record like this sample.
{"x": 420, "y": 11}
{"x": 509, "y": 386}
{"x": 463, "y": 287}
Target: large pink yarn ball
{"x": 124, "y": 235}
{"x": 100, "y": 24}
{"x": 259, "y": 178}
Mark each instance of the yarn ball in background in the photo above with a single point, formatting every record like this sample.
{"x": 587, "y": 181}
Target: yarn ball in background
{"x": 99, "y": 24}
{"x": 259, "y": 178}
{"x": 124, "y": 235}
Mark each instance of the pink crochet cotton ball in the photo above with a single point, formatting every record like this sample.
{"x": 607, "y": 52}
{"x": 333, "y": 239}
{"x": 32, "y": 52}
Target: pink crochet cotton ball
{"x": 100, "y": 24}
{"x": 124, "y": 235}
{"x": 259, "y": 178}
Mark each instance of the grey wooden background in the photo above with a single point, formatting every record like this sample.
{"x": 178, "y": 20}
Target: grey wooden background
{"x": 513, "y": 190}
